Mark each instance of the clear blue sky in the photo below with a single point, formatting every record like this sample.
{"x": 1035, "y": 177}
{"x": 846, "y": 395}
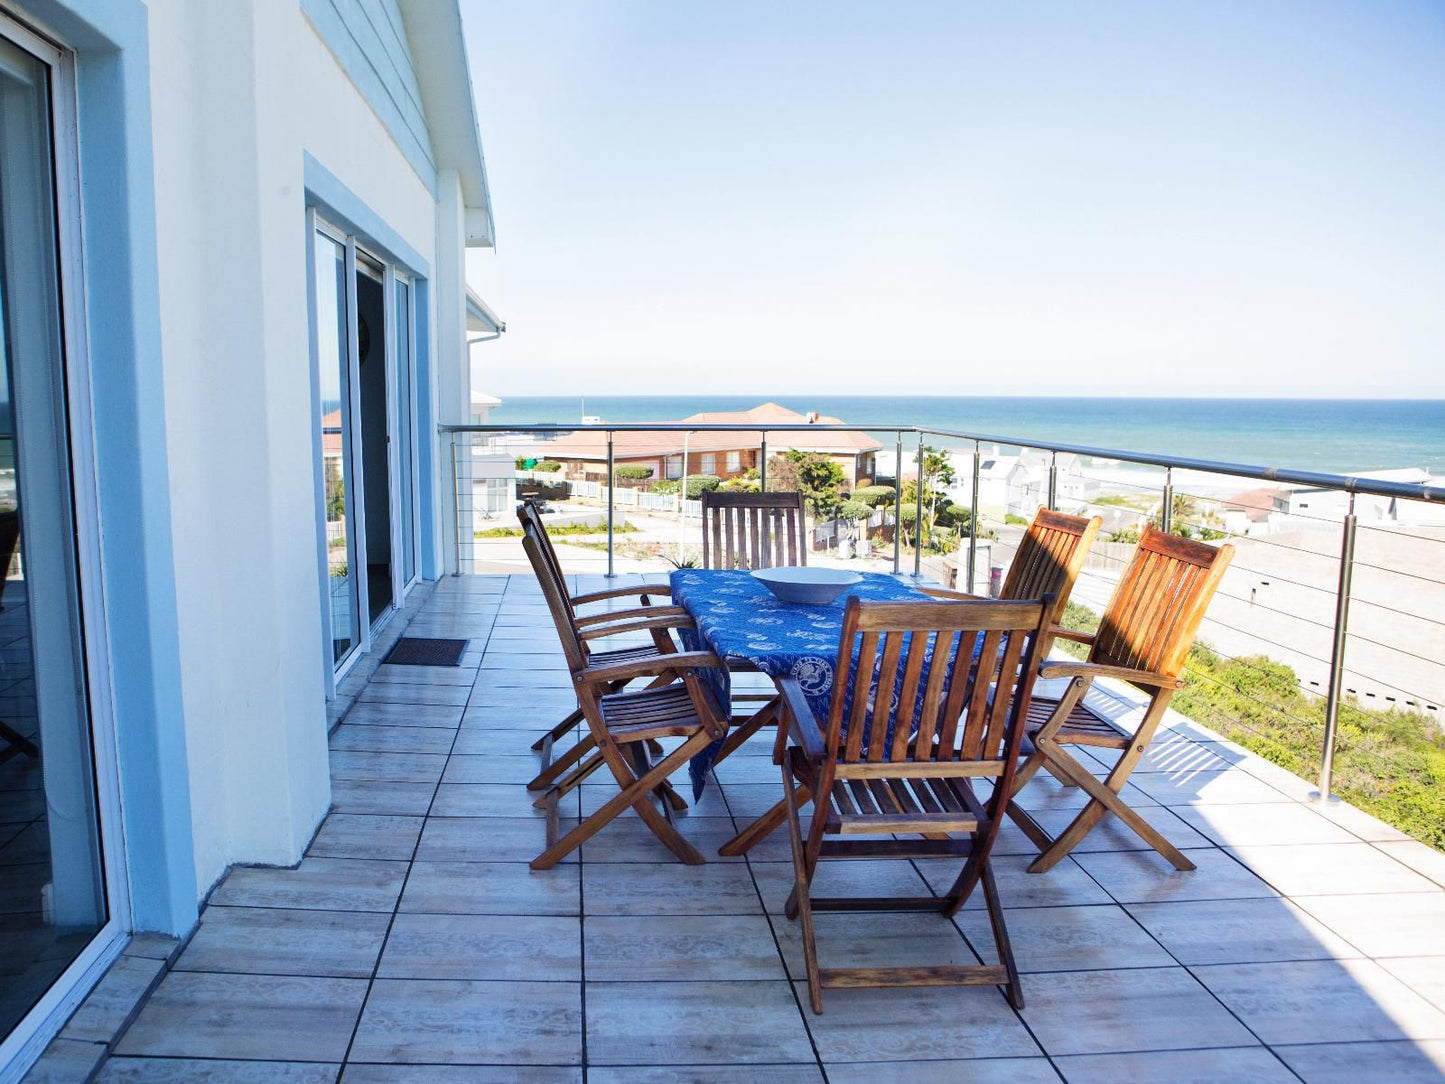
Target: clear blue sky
{"x": 1056, "y": 198}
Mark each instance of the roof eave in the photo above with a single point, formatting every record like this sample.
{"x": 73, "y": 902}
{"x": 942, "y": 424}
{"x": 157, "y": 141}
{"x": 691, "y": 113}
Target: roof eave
{"x": 435, "y": 32}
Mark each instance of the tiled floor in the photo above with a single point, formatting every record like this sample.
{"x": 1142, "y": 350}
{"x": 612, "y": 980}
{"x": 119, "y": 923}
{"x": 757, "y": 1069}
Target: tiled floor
{"x": 414, "y": 944}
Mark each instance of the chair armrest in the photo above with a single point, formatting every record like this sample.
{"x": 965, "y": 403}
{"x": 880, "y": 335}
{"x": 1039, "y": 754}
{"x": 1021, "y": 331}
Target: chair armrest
{"x": 954, "y": 596}
{"x": 663, "y": 621}
{"x": 622, "y": 592}
{"x": 1058, "y": 632}
{"x": 632, "y": 614}
{"x": 803, "y": 725}
{"x": 626, "y": 671}
{"x": 1091, "y": 670}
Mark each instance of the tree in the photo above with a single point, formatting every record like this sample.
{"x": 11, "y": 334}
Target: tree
{"x": 815, "y": 476}
{"x": 935, "y": 473}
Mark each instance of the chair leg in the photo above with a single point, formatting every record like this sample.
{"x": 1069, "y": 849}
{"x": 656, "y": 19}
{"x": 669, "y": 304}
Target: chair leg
{"x": 799, "y": 905}
{"x": 570, "y": 783}
{"x": 550, "y": 772}
{"x": 16, "y": 744}
{"x": 1000, "y": 938}
{"x": 558, "y": 731}
{"x": 764, "y": 715}
{"x": 763, "y": 827}
{"x": 1104, "y": 798}
{"x": 637, "y": 793}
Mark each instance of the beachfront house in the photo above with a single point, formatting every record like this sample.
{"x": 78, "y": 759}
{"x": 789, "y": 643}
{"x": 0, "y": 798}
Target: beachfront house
{"x": 1310, "y": 507}
{"x": 227, "y": 388}
{"x": 721, "y": 454}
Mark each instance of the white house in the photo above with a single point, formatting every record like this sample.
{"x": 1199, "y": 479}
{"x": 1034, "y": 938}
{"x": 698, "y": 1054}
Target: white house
{"x": 232, "y": 241}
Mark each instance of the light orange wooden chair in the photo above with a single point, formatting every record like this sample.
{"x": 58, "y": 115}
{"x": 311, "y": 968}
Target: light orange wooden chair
{"x": 623, "y": 726}
{"x": 1050, "y": 557}
{"x": 964, "y": 671}
{"x": 1144, "y": 637}
{"x": 753, "y": 530}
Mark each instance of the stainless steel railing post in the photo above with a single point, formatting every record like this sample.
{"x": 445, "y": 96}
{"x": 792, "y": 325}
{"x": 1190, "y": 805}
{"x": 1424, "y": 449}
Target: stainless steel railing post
{"x": 1337, "y": 657}
{"x": 973, "y": 522}
{"x": 898, "y": 506}
{"x": 457, "y": 505}
{"x": 918, "y": 515}
{"x": 611, "y": 504}
{"x": 763, "y": 466}
{"x": 1166, "y": 510}
{"x": 1053, "y": 481}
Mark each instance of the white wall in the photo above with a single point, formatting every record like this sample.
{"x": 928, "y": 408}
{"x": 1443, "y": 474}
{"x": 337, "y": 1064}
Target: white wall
{"x": 240, "y": 91}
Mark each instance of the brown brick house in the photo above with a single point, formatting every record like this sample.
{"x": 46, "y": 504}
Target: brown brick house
{"x": 727, "y": 455}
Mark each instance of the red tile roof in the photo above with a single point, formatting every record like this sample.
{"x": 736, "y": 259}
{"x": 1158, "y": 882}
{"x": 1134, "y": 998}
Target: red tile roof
{"x": 592, "y": 443}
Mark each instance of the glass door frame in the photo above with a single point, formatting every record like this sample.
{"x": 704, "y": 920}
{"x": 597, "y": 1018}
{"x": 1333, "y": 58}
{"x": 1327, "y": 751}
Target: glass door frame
{"x": 402, "y": 356}
{"x": 29, "y": 1037}
{"x": 401, "y": 519}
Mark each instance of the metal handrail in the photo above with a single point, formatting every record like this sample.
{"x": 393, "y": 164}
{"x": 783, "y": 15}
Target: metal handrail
{"x": 1349, "y": 483}
{"x": 1353, "y": 485}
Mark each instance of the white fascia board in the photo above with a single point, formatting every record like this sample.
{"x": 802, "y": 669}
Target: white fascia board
{"x": 480, "y": 316}
{"x": 434, "y": 29}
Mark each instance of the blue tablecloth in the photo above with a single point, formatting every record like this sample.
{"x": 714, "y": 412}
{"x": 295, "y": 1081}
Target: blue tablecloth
{"x": 739, "y": 619}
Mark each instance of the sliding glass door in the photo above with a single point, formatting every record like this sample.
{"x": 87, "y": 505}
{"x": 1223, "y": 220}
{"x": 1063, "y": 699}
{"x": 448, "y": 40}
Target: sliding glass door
{"x": 60, "y": 905}
{"x": 362, "y": 309}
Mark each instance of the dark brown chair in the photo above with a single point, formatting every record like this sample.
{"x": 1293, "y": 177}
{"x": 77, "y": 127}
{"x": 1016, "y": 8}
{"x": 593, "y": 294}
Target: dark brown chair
{"x": 874, "y": 776}
{"x": 1144, "y": 637}
{"x": 623, "y": 725}
{"x": 753, "y": 530}
{"x": 615, "y": 621}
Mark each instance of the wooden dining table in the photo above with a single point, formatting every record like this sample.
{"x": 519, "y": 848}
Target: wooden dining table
{"x": 750, "y": 629}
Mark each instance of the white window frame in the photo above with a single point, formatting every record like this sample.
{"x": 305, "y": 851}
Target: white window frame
{"x": 672, "y": 467}
{"x": 30, "y": 1036}
{"x": 734, "y": 462}
{"x": 708, "y": 463}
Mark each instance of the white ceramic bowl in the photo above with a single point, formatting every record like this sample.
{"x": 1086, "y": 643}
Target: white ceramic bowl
{"x": 810, "y": 586}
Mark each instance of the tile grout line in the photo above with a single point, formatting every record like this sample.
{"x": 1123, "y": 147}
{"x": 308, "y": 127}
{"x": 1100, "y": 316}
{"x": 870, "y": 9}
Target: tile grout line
{"x": 406, "y": 878}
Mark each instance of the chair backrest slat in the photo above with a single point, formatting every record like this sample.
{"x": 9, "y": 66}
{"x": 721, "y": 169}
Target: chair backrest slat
{"x": 1049, "y": 558}
{"x": 929, "y": 688}
{"x": 558, "y": 604}
{"x": 752, "y": 530}
{"x": 1155, "y": 612}
{"x": 529, "y": 517}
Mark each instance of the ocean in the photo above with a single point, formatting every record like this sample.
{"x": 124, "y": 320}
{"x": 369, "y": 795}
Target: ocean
{"x": 1333, "y": 435}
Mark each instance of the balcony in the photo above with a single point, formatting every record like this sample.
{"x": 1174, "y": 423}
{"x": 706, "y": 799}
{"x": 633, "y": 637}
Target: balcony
{"x": 414, "y": 943}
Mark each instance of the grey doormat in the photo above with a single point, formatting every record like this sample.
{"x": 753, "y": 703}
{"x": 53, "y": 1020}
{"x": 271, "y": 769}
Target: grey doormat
{"x": 417, "y": 651}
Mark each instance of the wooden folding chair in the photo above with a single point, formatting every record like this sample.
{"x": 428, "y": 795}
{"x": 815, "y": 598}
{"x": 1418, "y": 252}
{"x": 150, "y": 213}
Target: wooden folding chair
{"x": 616, "y": 621}
{"x": 1144, "y": 637}
{"x": 1048, "y": 562}
{"x": 1050, "y": 557}
{"x": 962, "y": 673}
{"x": 753, "y": 530}
{"x": 623, "y": 725}
{"x": 749, "y": 531}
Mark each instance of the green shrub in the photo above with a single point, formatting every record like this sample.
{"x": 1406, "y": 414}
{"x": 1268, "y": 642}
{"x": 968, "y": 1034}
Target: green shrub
{"x": 548, "y": 466}
{"x": 632, "y": 472}
{"x": 699, "y": 484}
{"x": 854, "y": 511}
{"x": 875, "y": 496}
{"x": 741, "y": 484}
{"x": 1015, "y": 521}
{"x": 666, "y": 486}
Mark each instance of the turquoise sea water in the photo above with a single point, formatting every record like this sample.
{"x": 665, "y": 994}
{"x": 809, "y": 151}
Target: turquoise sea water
{"x": 1338, "y": 435}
